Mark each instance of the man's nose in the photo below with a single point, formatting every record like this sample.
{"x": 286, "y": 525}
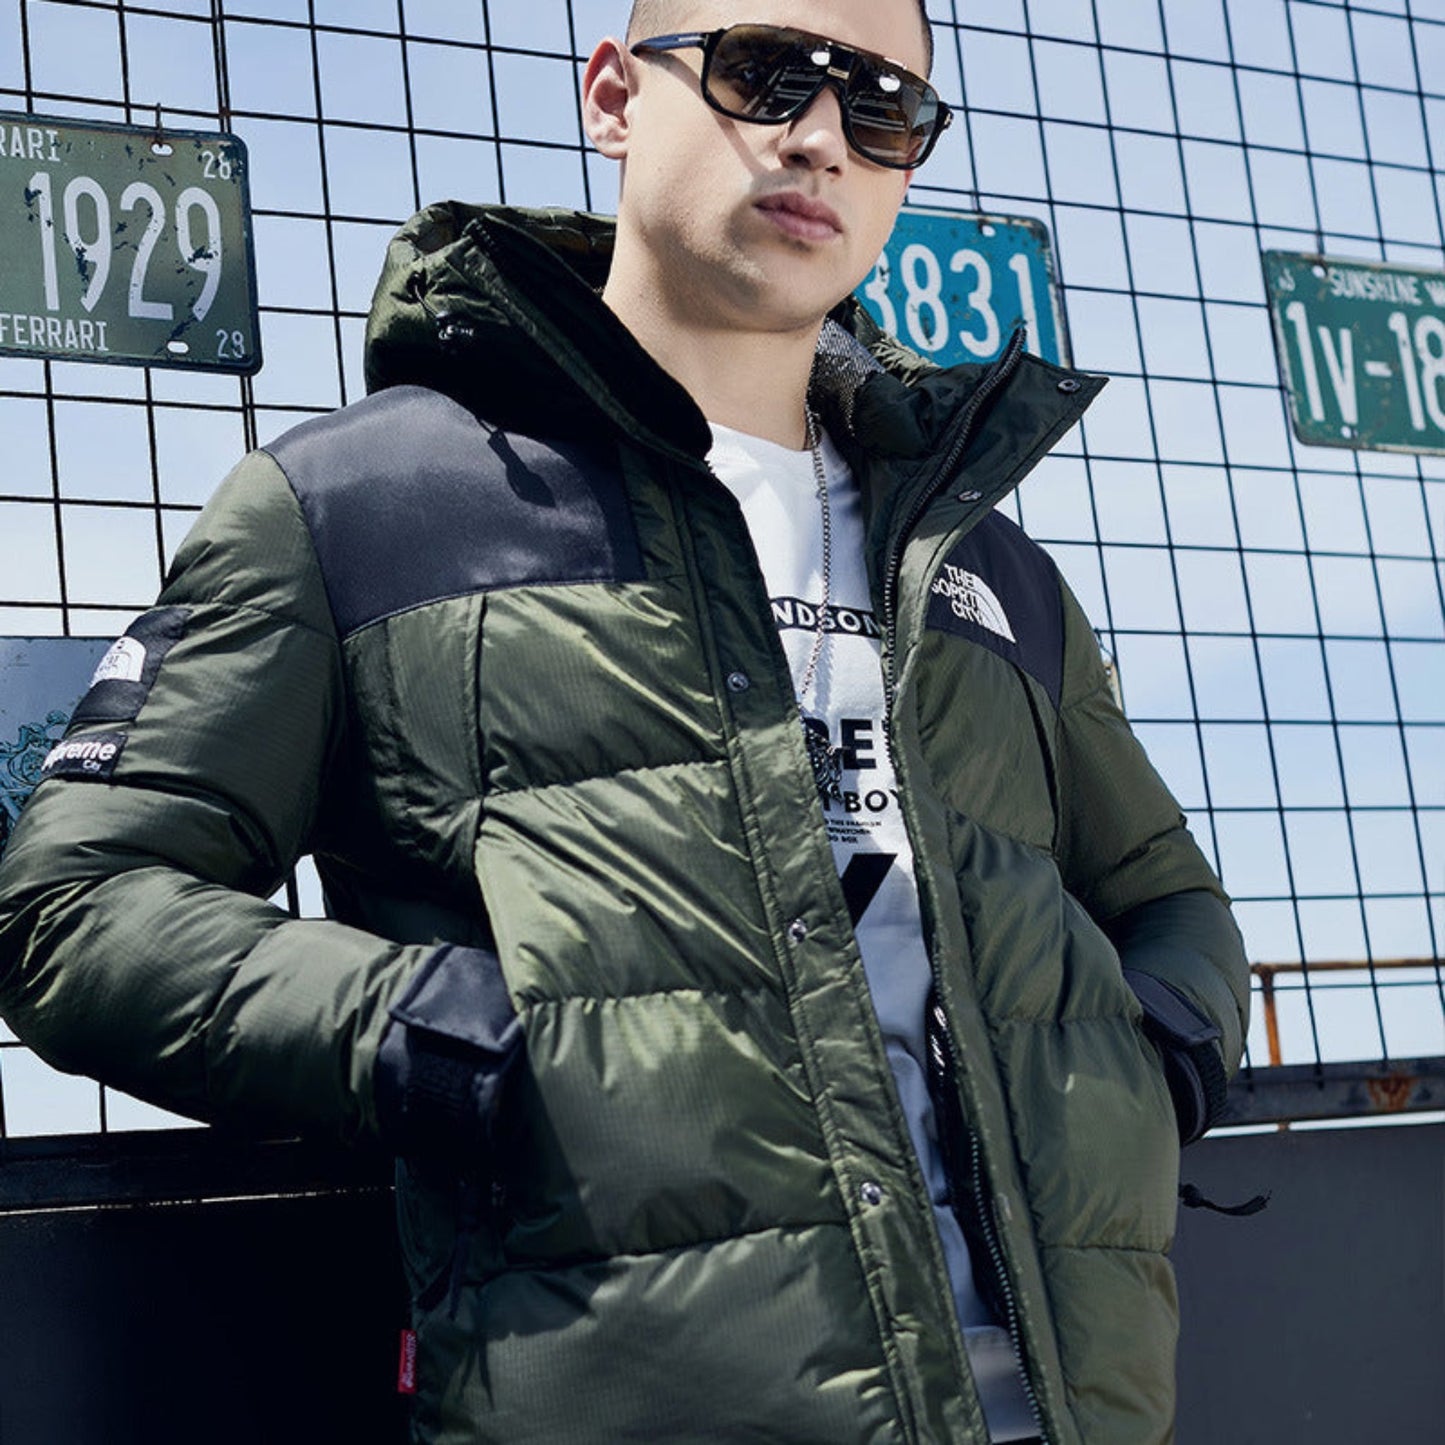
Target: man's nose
{"x": 816, "y": 137}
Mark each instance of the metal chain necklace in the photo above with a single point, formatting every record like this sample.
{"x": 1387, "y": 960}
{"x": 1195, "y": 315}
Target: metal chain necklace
{"x": 827, "y": 760}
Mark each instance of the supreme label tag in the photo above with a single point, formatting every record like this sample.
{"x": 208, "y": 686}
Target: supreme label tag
{"x": 92, "y": 757}
{"x": 406, "y": 1364}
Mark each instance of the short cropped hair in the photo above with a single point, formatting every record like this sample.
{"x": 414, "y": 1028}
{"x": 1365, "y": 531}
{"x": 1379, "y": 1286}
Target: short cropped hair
{"x": 651, "y": 17}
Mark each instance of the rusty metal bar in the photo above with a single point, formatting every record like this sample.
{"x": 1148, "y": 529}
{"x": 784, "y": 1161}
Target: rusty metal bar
{"x": 1266, "y": 973}
{"x": 1271, "y": 1017}
{"x": 1346, "y": 965}
{"x": 1295, "y": 1093}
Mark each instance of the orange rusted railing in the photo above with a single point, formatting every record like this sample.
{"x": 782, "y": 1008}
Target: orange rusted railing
{"x": 1266, "y": 973}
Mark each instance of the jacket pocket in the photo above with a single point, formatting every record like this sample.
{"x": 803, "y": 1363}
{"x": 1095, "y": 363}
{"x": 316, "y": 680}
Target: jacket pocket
{"x": 1089, "y": 1111}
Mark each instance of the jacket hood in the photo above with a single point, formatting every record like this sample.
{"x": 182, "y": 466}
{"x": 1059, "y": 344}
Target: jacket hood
{"x": 498, "y": 308}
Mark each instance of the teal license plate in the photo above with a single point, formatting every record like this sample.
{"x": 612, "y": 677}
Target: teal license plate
{"x": 953, "y": 285}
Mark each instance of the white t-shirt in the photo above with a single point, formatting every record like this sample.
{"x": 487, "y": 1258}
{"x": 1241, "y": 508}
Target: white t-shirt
{"x": 777, "y": 491}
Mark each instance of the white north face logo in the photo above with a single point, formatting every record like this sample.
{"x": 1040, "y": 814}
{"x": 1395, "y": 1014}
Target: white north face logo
{"x": 125, "y": 662}
{"x": 972, "y": 600}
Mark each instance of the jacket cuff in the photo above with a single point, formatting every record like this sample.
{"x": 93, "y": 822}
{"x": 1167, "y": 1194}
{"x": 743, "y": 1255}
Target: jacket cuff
{"x": 1189, "y": 1047}
{"x": 452, "y": 1037}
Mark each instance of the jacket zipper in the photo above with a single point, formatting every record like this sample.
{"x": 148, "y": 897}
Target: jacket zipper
{"x": 943, "y": 1067}
{"x": 996, "y": 1260}
{"x": 941, "y": 1040}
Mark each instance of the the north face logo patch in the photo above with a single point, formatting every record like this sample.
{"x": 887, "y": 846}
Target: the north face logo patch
{"x": 1018, "y": 614}
{"x": 973, "y": 600}
{"x": 125, "y": 662}
{"x": 129, "y": 670}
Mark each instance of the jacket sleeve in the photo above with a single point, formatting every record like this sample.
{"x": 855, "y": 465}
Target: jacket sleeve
{"x": 135, "y": 940}
{"x": 1127, "y": 855}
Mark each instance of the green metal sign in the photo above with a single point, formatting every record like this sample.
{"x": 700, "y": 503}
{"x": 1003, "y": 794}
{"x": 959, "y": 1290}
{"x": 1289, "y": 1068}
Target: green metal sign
{"x": 125, "y": 244}
{"x": 1362, "y": 351}
{"x": 953, "y": 285}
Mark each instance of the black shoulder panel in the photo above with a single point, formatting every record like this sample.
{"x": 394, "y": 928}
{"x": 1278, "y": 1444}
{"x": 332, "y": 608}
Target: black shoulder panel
{"x": 1000, "y": 590}
{"x": 411, "y": 499}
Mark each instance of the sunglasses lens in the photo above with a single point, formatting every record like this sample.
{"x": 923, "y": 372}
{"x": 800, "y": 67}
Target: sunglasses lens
{"x": 764, "y": 73}
{"x": 761, "y": 73}
{"x": 891, "y": 116}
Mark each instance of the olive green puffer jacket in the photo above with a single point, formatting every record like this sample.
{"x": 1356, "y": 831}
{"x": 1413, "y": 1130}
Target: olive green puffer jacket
{"x": 493, "y": 645}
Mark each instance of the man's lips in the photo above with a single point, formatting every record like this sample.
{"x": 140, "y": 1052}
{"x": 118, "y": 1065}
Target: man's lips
{"x": 799, "y": 216}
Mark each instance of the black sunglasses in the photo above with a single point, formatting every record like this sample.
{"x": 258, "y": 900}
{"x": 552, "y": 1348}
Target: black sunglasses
{"x": 771, "y": 75}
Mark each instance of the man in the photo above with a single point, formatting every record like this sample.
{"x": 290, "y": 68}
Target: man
{"x": 730, "y": 840}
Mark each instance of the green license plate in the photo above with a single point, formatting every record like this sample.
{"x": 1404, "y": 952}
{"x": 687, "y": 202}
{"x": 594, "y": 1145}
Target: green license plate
{"x": 127, "y": 245}
{"x": 1362, "y": 351}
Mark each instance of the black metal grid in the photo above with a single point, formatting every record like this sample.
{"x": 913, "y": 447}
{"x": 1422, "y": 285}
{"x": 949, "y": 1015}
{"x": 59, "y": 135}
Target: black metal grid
{"x": 1277, "y": 612}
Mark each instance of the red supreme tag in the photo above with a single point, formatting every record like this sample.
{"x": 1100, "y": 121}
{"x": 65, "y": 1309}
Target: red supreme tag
{"x": 406, "y": 1364}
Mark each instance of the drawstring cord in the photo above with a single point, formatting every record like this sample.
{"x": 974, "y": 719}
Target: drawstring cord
{"x": 1193, "y": 1198}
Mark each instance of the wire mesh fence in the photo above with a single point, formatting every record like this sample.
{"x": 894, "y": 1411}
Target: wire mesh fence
{"x": 1275, "y": 611}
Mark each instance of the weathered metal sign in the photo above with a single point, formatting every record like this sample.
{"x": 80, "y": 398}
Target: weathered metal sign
{"x": 41, "y": 680}
{"x": 126, "y": 244}
{"x": 1361, "y": 350}
{"x": 953, "y": 285}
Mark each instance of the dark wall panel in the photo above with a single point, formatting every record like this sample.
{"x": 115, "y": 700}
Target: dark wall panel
{"x": 261, "y": 1322}
{"x": 1320, "y": 1321}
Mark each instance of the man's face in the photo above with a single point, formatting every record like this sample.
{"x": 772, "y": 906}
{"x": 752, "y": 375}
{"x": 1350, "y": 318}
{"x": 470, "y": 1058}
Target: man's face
{"x": 759, "y": 227}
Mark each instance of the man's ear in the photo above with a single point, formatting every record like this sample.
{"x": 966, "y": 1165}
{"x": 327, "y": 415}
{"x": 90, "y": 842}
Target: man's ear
{"x": 606, "y": 94}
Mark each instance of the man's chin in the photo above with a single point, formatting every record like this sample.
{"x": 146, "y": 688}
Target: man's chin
{"x": 786, "y": 301}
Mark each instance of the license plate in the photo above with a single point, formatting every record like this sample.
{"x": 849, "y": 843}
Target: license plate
{"x": 125, "y": 244}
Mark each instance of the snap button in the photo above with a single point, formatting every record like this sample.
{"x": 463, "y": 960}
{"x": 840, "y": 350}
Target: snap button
{"x": 739, "y": 682}
{"x": 871, "y": 1194}
{"x": 798, "y": 930}
{"x": 1069, "y": 386}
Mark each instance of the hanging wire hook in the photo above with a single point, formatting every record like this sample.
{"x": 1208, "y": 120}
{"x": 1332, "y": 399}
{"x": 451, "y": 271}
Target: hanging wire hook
{"x": 159, "y": 144}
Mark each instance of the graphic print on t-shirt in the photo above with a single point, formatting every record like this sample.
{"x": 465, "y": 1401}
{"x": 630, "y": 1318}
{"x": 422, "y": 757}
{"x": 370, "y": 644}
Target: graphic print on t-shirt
{"x": 846, "y": 713}
{"x": 862, "y": 879}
